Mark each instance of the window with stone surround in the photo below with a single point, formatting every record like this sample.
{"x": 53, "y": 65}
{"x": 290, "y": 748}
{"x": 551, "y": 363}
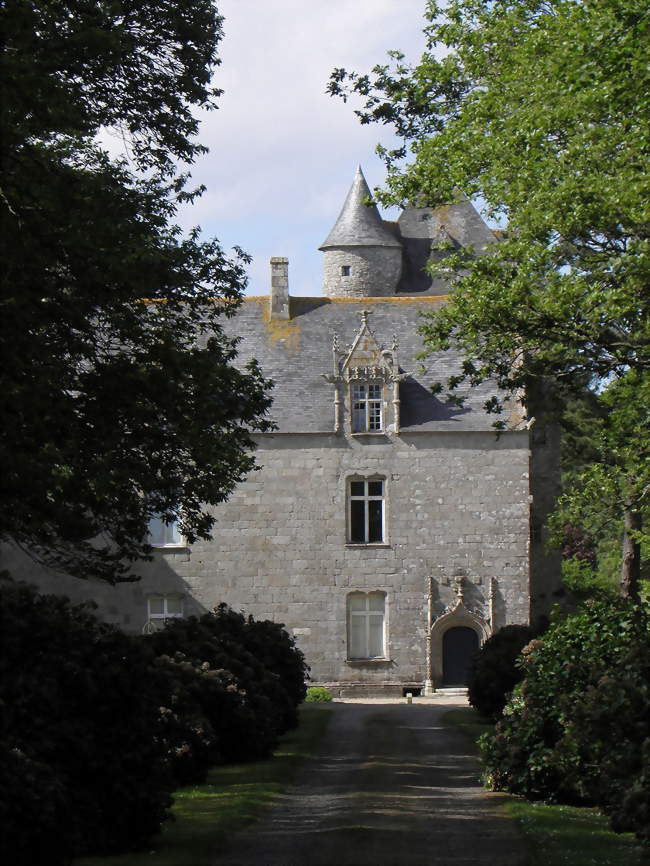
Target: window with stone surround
{"x": 163, "y": 534}
{"x": 366, "y": 511}
{"x": 161, "y": 608}
{"x": 346, "y": 270}
{"x": 367, "y": 415}
{"x": 366, "y": 625}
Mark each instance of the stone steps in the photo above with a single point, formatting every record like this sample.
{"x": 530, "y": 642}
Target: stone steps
{"x": 450, "y": 692}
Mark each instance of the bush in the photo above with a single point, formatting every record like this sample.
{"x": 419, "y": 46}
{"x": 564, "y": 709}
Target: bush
{"x": 193, "y": 695}
{"x": 494, "y": 672}
{"x": 318, "y": 695}
{"x": 271, "y": 644}
{"x": 84, "y": 762}
{"x": 577, "y": 727}
{"x": 605, "y": 747}
{"x": 256, "y": 706}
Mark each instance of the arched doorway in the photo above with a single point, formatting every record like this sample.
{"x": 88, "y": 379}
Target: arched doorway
{"x": 458, "y": 646}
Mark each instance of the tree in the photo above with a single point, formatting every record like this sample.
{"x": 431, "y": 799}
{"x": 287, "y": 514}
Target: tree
{"x": 541, "y": 108}
{"x": 613, "y": 486}
{"x": 119, "y": 394}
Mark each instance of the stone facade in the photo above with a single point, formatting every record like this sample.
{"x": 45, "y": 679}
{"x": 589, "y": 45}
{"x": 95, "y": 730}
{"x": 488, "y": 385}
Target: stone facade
{"x": 389, "y": 531}
{"x": 358, "y": 272}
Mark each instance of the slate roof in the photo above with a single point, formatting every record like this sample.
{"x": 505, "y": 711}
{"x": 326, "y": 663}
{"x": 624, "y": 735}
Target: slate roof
{"x": 359, "y": 224}
{"x": 296, "y": 353}
{"x": 420, "y": 229}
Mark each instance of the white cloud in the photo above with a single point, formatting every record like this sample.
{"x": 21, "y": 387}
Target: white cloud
{"x": 282, "y": 152}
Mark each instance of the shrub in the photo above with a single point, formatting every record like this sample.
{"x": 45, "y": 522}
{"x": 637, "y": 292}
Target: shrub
{"x": 605, "y": 747}
{"x": 80, "y": 732}
{"x": 193, "y": 695}
{"x": 577, "y": 727}
{"x": 318, "y": 695}
{"x": 494, "y": 672}
{"x": 583, "y": 582}
{"x": 271, "y": 644}
{"x": 256, "y": 705}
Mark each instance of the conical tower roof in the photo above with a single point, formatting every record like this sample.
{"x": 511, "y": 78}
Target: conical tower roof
{"x": 359, "y": 225}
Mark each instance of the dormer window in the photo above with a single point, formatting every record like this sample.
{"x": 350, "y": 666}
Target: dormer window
{"x": 346, "y": 270}
{"x": 367, "y": 415}
{"x": 366, "y": 378}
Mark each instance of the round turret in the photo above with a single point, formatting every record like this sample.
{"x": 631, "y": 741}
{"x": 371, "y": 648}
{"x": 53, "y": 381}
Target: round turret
{"x": 362, "y": 256}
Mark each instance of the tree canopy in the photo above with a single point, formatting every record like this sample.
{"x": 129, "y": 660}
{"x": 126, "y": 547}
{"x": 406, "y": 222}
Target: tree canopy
{"x": 119, "y": 392}
{"x": 541, "y": 108}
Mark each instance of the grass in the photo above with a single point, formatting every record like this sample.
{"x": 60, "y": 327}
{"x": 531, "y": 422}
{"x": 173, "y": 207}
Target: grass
{"x": 558, "y": 835}
{"x": 572, "y": 835}
{"x": 206, "y": 816}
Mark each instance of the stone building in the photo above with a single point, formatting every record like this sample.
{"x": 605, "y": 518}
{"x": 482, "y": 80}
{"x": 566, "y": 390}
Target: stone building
{"x": 390, "y": 531}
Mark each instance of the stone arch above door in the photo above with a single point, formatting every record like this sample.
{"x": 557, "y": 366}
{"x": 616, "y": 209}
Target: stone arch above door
{"x": 461, "y": 617}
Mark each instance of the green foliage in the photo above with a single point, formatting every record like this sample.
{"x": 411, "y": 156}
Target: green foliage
{"x": 542, "y": 109}
{"x": 117, "y": 382}
{"x": 608, "y": 495}
{"x": 98, "y": 727}
{"x": 84, "y": 760}
{"x": 494, "y": 671}
{"x": 556, "y": 835}
{"x": 206, "y": 817}
{"x": 193, "y": 694}
{"x": 262, "y": 671}
{"x": 581, "y": 580}
{"x": 318, "y": 695}
{"x": 531, "y": 106}
{"x": 272, "y": 644}
{"x": 576, "y": 728}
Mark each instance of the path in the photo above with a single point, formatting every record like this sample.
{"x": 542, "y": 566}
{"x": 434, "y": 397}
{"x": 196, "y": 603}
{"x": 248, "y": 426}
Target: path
{"x": 390, "y": 786}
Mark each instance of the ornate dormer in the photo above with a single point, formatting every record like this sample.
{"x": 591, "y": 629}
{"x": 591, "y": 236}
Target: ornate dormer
{"x": 366, "y": 377}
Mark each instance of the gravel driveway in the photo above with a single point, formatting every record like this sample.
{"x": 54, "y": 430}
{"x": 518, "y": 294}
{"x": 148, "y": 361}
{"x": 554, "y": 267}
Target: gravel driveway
{"x": 390, "y": 785}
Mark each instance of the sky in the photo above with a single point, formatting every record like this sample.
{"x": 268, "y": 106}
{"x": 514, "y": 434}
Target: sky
{"x": 282, "y": 152}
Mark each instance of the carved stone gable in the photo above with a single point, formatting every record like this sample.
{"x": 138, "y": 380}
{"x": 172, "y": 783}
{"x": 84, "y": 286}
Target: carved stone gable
{"x": 366, "y": 377}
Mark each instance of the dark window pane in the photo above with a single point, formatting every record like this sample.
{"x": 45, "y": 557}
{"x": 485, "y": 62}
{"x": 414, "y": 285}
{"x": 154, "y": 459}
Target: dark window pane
{"x": 357, "y": 521}
{"x": 375, "y": 488}
{"x": 375, "y": 510}
{"x": 357, "y": 488}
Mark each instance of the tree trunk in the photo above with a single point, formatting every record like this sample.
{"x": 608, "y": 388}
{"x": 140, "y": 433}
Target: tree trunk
{"x": 631, "y": 564}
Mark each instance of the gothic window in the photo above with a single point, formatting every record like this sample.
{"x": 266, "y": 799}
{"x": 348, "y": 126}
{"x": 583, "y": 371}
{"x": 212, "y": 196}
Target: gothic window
{"x": 366, "y": 517}
{"x": 367, "y": 625}
{"x": 160, "y": 608}
{"x": 163, "y": 534}
{"x": 366, "y": 407}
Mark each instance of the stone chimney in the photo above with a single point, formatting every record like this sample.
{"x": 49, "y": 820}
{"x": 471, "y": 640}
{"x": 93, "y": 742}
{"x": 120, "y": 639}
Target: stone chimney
{"x": 279, "y": 288}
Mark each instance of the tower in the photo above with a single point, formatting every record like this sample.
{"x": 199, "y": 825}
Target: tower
{"x": 362, "y": 257}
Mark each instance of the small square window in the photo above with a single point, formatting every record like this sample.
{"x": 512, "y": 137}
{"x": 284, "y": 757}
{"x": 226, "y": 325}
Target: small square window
{"x": 163, "y": 534}
{"x": 156, "y": 607}
{"x": 346, "y": 270}
{"x": 161, "y": 608}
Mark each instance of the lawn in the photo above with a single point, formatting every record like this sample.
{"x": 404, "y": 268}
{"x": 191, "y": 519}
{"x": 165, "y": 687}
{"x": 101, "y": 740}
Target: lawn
{"x": 558, "y": 835}
{"x": 206, "y": 816}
